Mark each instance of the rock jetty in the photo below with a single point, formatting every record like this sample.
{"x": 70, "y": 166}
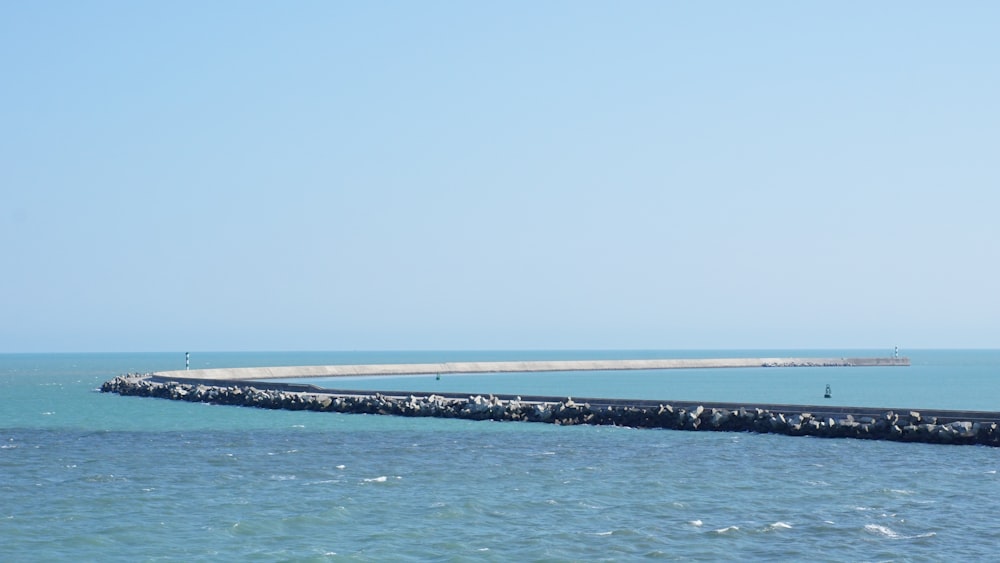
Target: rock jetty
{"x": 909, "y": 426}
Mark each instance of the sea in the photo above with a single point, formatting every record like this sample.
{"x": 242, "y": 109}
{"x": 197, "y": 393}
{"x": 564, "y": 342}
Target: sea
{"x": 89, "y": 476}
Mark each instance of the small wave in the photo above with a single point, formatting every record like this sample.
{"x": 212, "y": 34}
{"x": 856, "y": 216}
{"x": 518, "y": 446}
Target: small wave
{"x": 282, "y": 477}
{"x": 696, "y": 523}
{"x": 48, "y": 413}
{"x": 781, "y": 526}
{"x": 341, "y": 466}
{"x": 993, "y": 472}
{"x": 603, "y": 533}
{"x": 324, "y": 482}
{"x": 888, "y": 532}
{"x": 727, "y": 529}
{"x": 381, "y": 479}
{"x": 881, "y": 530}
{"x": 900, "y": 491}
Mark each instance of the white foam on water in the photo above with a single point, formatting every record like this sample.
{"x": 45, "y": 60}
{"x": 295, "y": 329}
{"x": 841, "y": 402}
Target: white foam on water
{"x": 880, "y": 530}
{"x": 695, "y": 523}
{"x": 727, "y": 529}
{"x": 781, "y": 525}
{"x": 382, "y": 479}
{"x": 888, "y": 532}
{"x": 341, "y": 466}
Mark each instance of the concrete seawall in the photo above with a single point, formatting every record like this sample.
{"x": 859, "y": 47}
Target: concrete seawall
{"x": 288, "y": 372}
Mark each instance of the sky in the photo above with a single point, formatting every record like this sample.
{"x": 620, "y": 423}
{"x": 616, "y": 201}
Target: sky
{"x": 314, "y": 175}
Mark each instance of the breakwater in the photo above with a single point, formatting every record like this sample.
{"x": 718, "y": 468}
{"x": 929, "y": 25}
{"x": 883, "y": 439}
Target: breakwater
{"x": 355, "y": 370}
{"x": 904, "y": 425}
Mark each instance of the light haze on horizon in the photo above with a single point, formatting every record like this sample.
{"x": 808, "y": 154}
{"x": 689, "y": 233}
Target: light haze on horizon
{"x": 516, "y": 175}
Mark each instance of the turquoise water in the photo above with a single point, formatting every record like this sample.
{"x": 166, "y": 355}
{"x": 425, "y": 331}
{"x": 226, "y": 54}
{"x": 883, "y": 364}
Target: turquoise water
{"x": 91, "y": 476}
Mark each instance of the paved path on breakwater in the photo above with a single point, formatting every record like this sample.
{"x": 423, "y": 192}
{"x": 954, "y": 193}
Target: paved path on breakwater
{"x": 288, "y": 372}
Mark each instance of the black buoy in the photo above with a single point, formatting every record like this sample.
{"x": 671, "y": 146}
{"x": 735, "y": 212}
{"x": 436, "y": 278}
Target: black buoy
{"x": 826, "y": 395}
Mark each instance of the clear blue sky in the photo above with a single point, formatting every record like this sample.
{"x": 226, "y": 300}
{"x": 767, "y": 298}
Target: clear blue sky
{"x": 472, "y": 175}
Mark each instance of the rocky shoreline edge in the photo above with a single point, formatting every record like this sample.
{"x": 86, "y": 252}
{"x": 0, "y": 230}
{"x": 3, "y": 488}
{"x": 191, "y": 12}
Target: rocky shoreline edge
{"x": 910, "y": 426}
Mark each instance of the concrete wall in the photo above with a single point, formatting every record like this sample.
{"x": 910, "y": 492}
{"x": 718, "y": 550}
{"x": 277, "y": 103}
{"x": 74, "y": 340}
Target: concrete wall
{"x": 285, "y": 372}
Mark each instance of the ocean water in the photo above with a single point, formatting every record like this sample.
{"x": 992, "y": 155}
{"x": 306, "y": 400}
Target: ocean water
{"x": 86, "y": 476}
